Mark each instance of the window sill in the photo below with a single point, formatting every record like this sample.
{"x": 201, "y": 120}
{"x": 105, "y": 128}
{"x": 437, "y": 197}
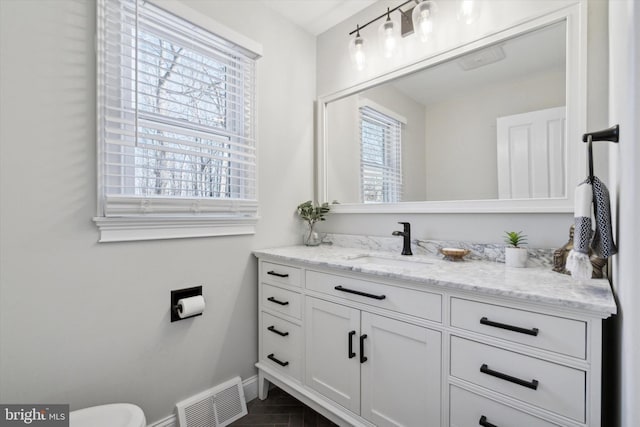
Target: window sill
{"x": 134, "y": 228}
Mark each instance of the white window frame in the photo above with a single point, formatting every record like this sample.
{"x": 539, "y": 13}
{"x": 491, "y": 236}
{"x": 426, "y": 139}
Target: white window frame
{"x": 127, "y": 218}
{"x": 391, "y": 170}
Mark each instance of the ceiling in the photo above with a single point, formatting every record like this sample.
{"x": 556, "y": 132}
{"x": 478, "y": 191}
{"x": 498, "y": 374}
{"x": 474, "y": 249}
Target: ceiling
{"x": 317, "y": 16}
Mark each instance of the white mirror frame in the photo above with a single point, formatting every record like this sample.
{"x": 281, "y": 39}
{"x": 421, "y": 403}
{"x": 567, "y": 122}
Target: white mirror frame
{"x": 576, "y": 95}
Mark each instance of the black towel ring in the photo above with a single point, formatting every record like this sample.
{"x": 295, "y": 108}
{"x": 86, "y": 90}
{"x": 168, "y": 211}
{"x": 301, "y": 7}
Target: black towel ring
{"x": 611, "y": 134}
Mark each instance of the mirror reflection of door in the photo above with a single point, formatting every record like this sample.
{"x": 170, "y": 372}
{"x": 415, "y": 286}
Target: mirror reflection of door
{"x": 531, "y": 153}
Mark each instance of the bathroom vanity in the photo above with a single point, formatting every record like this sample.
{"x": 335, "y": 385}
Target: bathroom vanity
{"x": 376, "y": 339}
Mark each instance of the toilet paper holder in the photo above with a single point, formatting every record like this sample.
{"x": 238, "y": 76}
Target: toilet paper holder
{"x": 179, "y": 294}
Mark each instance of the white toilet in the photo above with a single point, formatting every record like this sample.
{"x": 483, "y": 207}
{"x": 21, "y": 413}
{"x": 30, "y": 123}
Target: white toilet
{"x": 114, "y": 415}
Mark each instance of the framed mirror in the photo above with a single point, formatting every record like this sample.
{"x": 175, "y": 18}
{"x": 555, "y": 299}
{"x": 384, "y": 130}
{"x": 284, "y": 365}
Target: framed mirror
{"x": 492, "y": 126}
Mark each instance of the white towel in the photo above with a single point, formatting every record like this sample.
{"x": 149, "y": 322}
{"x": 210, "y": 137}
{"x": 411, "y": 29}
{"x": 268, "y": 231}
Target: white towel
{"x": 591, "y": 193}
{"x": 578, "y": 262}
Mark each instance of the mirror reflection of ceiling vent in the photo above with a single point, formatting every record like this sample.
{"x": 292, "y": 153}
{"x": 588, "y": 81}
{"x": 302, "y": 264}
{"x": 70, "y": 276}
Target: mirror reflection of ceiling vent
{"x": 481, "y": 58}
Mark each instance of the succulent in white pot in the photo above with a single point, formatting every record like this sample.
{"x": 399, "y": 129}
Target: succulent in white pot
{"x": 515, "y": 255}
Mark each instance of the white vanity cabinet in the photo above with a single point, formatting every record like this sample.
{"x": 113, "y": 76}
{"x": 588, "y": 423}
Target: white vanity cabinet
{"x": 386, "y": 370}
{"x": 281, "y": 334}
{"x": 381, "y": 349}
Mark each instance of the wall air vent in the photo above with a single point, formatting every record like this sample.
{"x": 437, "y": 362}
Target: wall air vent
{"x": 216, "y": 407}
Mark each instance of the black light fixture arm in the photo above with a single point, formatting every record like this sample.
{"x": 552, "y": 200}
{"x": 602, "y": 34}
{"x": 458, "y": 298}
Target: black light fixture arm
{"x": 387, "y": 13}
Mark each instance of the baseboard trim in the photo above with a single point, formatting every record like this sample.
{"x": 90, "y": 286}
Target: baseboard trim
{"x": 249, "y": 386}
{"x": 170, "y": 421}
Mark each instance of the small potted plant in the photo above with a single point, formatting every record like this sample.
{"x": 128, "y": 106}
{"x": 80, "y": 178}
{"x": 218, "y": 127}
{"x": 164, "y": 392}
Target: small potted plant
{"x": 514, "y": 254}
{"x": 312, "y": 214}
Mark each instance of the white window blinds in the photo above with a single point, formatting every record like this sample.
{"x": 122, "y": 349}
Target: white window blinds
{"x": 381, "y": 157}
{"x": 176, "y": 112}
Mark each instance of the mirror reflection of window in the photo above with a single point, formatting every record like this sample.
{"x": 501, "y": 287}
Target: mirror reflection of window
{"x": 380, "y": 156}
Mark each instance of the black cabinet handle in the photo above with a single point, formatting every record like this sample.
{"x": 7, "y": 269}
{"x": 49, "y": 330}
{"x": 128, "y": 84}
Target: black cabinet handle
{"x": 272, "y": 299}
{"x": 273, "y": 273}
{"x": 275, "y": 331}
{"x": 351, "y": 353}
{"x": 364, "y": 294}
{"x": 484, "y": 423}
{"x": 279, "y": 362}
{"x": 363, "y": 358}
{"x": 533, "y": 384}
{"x": 532, "y": 331}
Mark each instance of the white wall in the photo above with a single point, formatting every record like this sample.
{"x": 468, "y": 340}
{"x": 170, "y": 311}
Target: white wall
{"x": 335, "y": 73}
{"x": 88, "y": 323}
{"x": 624, "y": 338}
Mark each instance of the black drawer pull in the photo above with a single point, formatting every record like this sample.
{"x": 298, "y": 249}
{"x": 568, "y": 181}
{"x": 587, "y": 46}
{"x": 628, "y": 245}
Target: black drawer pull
{"x": 364, "y": 294}
{"x": 532, "y": 331}
{"x": 275, "y": 331}
{"x": 533, "y": 384}
{"x": 363, "y": 358}
{"x": 277, "y": 361}
{"x": 272, "y": 299}
{"x": 484, "y": 423}
{"x": 273, "y": 273}
{"x": 351, "y": 353}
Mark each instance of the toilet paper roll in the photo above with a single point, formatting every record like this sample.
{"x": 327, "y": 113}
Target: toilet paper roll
{"x": 190, "y": 306}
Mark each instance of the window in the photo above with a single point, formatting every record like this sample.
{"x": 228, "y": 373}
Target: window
{"x": 381, "y": 157}
{"x": 176, "y": 126}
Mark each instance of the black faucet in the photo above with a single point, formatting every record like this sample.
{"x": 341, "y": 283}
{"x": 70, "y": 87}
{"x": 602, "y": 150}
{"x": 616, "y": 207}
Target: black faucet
{"x": 406, "y": 247}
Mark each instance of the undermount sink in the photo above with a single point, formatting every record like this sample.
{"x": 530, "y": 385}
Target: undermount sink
{"x": 390, "y": 261}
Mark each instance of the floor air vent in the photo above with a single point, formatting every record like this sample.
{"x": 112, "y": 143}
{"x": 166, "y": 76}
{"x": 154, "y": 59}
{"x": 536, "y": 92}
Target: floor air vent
{"x": 216, "y": 407}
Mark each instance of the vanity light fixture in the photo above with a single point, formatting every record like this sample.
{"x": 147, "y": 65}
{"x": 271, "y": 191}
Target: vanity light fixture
{"x": 468, "y": 10}
{"x": 420, "y": 18}
{"x": 388, "y": 36}
{"x": 356, "y": 49}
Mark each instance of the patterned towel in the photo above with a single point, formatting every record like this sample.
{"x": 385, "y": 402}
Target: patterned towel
{"x": 590, "y": 193}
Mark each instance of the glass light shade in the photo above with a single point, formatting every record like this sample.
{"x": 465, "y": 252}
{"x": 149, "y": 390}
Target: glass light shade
{"x": 422, "y": 17}
{"x": 468, "y": 10}
{"x": 356, "y": 50}
{"x": 388, "y": 36}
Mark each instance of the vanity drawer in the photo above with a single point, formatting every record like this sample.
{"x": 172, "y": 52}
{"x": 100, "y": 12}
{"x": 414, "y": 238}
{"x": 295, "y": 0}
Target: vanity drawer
{"x": 282, "y": 300}
{"x": 280, "y": 274}
{"x": 282, "y": 345}
{"x": 407, "y": 301}
{"x": 467, "y": 409}
{"x": 554, "y": 387}
{"x": 551, "y": 333}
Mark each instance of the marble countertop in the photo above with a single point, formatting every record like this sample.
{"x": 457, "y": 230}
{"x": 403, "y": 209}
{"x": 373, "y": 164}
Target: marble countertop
{"x": 533, "y": 284}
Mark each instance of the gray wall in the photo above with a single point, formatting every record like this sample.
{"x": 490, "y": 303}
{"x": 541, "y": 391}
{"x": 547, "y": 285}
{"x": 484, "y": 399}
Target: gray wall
{"x": 622, "y": 373}
{"x": 88, "y": 323}
{"x": 335, "y": 73}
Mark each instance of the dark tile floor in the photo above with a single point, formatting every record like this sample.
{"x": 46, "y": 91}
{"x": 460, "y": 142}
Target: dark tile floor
{"x": 281, "y": 410}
